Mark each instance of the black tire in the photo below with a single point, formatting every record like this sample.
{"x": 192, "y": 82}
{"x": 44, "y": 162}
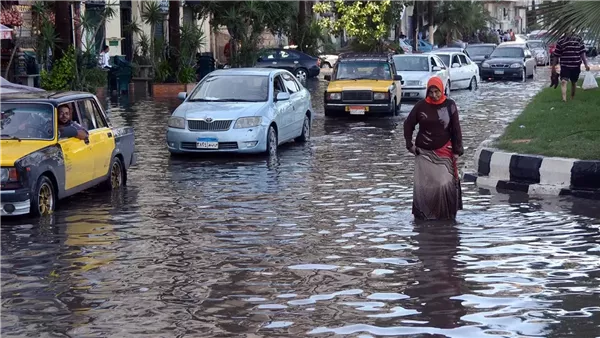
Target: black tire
{"x": 43, "y": 200}
{"x": 301, "y": 74}
{"x": 524, "y": 75}
{"x": 473, "y": 85}
{"x": 305, "y": 136}
{"x": 116, "y": 175}
{"x": 396, "y": 108}
{"x": 447, "y": 89}
{"x": 271, "y": 141}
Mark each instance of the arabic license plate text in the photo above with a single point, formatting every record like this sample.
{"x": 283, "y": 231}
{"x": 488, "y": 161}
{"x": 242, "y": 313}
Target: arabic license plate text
{"x": 207, "y": 143}
{"x": 357, "y": 110}
{"x": 499, "y": 72}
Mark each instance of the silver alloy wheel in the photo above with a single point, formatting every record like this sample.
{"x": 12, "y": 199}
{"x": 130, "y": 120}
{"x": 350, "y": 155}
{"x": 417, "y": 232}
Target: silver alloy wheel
{"x": 301, "y": 74}
{"x": 272, "y": 141}
{"x": 306, "y": 128}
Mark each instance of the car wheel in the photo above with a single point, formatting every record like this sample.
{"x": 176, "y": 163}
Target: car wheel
{"x": 473, "y": 85}
{"x": 326, "y": 65}
{"x": 398, "y": 110}
{"x": 305, "y": 136}
{"x": 43, "y": 200}
{"x": 533, "y": 73}
{"x": 116, "y": 177}
{"x": 447, "y": 91}
{"x": 271, "y": 141}
{"x": 524, "y": 75}
{"x": 301, "y": 74}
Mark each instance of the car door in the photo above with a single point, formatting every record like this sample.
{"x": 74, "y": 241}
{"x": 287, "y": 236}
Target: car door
{"x": 284, "y": 113}
{"x": 397, "y": 84}
{"x": 77, "y": 154}
{"x": 298, "y": 106}
{"x": 288, "y": 60}
{"x": 442, "y": 72}
{"x": 102, "y": 140}
{"x": 469, "y": 70}
{"x": 529, "y": 62}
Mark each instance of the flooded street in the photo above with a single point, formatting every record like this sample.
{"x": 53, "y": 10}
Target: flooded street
{"x": 319, "y": 242}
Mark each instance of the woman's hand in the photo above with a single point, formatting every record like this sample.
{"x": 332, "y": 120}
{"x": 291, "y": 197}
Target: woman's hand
{"x": 412, "y": 150}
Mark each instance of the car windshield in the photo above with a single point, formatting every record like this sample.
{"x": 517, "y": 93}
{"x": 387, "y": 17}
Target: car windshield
{"x": 412, "y": 63}
{"x": 232, "y": 88}
{"x": 363, "y": 70}
{"x": 445, "y": 58}
{"x": 536, "y": 44}
{"x": 508, "y": 52}
{"x": 27, "y": 121}
{"x": 480, "y": 51}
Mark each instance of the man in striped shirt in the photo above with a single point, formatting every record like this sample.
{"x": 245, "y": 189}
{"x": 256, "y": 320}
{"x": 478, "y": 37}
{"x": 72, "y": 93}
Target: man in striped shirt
{"x": 570, "y": 50}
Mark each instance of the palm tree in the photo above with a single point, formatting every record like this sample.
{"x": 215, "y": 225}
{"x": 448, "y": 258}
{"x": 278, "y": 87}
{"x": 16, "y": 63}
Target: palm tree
{"x": 62, "y": 13}
{"x": 565, "y": 17}
{"x": 174, "y": 34}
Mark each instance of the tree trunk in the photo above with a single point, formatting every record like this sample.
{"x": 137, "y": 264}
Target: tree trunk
{"x": 174, "y": 35}
{"x": 62, "y": 13}
{"x": 430, "y": 9}
{"x": 415, "y": 23}
{"x": 301, "y": 13}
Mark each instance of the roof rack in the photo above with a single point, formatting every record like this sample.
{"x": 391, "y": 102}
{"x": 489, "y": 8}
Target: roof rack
{"x": 365, "y": 56}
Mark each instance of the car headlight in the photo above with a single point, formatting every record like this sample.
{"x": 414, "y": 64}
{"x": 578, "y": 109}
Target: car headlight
{"x": 176, "y": 122}
{"x": 334, "y": 96}
{"x": 414, "y": 83}
{"x": 9, "y": 175}
{"x": 247, "y": 122}
{"x": 380, "y": 96}
{"x": 516, "y": 65}
{"x": 485, "y": 64}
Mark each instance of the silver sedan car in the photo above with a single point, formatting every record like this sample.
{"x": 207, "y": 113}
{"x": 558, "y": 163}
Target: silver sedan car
{"x": 243, "y": 110}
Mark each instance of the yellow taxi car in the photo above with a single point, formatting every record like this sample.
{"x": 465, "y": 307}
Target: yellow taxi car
{"x": 43, "y": 162}
{"x": 363, "y": 84}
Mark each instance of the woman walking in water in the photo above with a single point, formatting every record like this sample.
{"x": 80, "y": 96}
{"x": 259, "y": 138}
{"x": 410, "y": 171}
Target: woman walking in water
{"x": 436, "y": 193}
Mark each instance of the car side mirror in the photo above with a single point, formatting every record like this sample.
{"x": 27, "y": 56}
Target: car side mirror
{"x": 397, "y": 77}
{"x": 327, "y": 77}
{"x": 436, "y": 69}
{"x": 182, "y": 96}
{"x": 455, "y": 65}
{"x": 283, "y": 96}
{"x": 486, "y": 57}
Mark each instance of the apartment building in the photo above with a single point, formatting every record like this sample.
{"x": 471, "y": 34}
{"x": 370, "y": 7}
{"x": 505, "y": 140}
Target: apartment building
{"x": 509, "y": 14}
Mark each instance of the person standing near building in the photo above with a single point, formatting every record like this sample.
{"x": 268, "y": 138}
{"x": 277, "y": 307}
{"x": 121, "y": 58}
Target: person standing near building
{"x": 570, "y": 52}
{"x": 105, "y": 57}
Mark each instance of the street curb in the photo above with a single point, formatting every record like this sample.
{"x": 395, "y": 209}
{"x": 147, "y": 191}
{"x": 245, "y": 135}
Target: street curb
{"x": 534, "y": 174}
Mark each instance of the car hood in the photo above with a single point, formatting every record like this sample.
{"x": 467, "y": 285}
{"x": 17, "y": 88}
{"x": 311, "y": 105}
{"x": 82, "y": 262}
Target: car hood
{"x": 374, "y": 85}
{"x": 505, "y": 60}
{"x": 13, "y": 150}
{"x": 478, "y": 58}
{"x": 538, "y": 50}
{"x": 415, "y": 76}
{"x": 219, "y": 110}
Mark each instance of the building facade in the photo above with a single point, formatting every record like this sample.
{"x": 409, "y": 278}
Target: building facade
{"x": 509, "y": 14}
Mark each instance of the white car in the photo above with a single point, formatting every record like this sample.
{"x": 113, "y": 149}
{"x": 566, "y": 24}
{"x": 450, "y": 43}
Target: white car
{"x": 328, "y": 60}
{"x": 416, "y": 70}
{"x": 242, "y": 110}
{"x": 464, "y": 73}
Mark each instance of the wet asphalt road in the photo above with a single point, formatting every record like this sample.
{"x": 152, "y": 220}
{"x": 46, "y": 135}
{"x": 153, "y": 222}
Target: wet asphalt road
{"x": 319, "y": 242}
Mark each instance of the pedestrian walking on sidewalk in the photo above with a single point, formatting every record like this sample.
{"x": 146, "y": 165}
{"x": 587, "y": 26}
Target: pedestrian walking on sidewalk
{"x": 436, "y": 192}
{"x": 570, "y": 50}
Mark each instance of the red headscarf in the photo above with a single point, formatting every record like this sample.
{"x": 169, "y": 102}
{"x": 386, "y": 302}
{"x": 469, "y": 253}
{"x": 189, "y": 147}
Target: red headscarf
{"x": 436, "y": 82}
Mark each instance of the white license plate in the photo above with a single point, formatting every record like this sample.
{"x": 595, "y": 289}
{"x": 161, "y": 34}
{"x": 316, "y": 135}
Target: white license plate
{"x": 499, "y": 72}
{"x": 207, "y": 143}
{"x": 357, "y": 112}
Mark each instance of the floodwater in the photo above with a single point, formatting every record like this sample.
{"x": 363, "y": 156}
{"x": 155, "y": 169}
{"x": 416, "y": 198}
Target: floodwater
{"x": 317, "y": 242}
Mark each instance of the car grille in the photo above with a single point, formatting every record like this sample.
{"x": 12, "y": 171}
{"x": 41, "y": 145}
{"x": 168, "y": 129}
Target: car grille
{"x": 357, "y": 95}
{"x": 499, "y": 66}
{"x": 200, "y": 125}
{"x": 222, "y": 145}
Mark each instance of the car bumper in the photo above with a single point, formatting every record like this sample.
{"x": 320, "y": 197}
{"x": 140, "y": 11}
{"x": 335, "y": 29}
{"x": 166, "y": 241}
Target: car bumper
{"x": 507, "y": 73}
{"x": 251, "y": 140}
{"x": 15, "y": 203}
{"x": 370, "y": 108}
{"x": 413, "y": 93}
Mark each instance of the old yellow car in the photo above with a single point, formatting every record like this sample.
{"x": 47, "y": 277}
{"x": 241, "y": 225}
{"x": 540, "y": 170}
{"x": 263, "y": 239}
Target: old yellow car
{"x": 363, "y": 84}
{"x": 46, "y": 157}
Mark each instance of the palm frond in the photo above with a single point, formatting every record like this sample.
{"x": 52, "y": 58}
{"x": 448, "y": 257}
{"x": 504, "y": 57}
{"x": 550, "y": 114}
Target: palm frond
{"x": 567, "y": 17}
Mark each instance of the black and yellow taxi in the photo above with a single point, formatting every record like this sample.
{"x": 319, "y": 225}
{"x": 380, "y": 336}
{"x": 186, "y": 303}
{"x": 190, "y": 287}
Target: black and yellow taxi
{"x": 42, "y": 162}
{"x": 363, "y": 84}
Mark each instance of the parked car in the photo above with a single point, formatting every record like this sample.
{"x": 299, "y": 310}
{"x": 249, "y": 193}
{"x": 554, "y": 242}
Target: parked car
{"x": 405, "y": 46}
{"x": 39, "y": 167}
{"x": 479, "y": 52}
{"x": 540, "y": 51}
{"x": 464, "y": 73}
{"x": 451, "y": 49}
{"x": 591, "y": 48}
{"x": 512, "y": 61}
{"x": 241, "y": 110}
{"x": 416, "y": 70}
{"x": 328, "y": 60}
{"x": 302, "y": 65}
{"x": 363, "y": 84}
{"x": 423, "y": 47}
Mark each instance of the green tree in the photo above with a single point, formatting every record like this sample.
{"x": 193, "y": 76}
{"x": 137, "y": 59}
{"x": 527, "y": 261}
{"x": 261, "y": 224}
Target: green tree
{"x": 245, "y": 22}
{"x": 363, "y": 20}
{"x": 565, "y": 17}
{"x": 460, "y": 19}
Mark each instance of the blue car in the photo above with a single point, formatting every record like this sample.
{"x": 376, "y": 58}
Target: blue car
{"x": 241, "y": 110}
{"x": 424, "y": 46}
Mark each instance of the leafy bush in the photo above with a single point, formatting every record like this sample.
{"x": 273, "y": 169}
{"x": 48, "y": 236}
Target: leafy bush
{"x": 62, "y": 75}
